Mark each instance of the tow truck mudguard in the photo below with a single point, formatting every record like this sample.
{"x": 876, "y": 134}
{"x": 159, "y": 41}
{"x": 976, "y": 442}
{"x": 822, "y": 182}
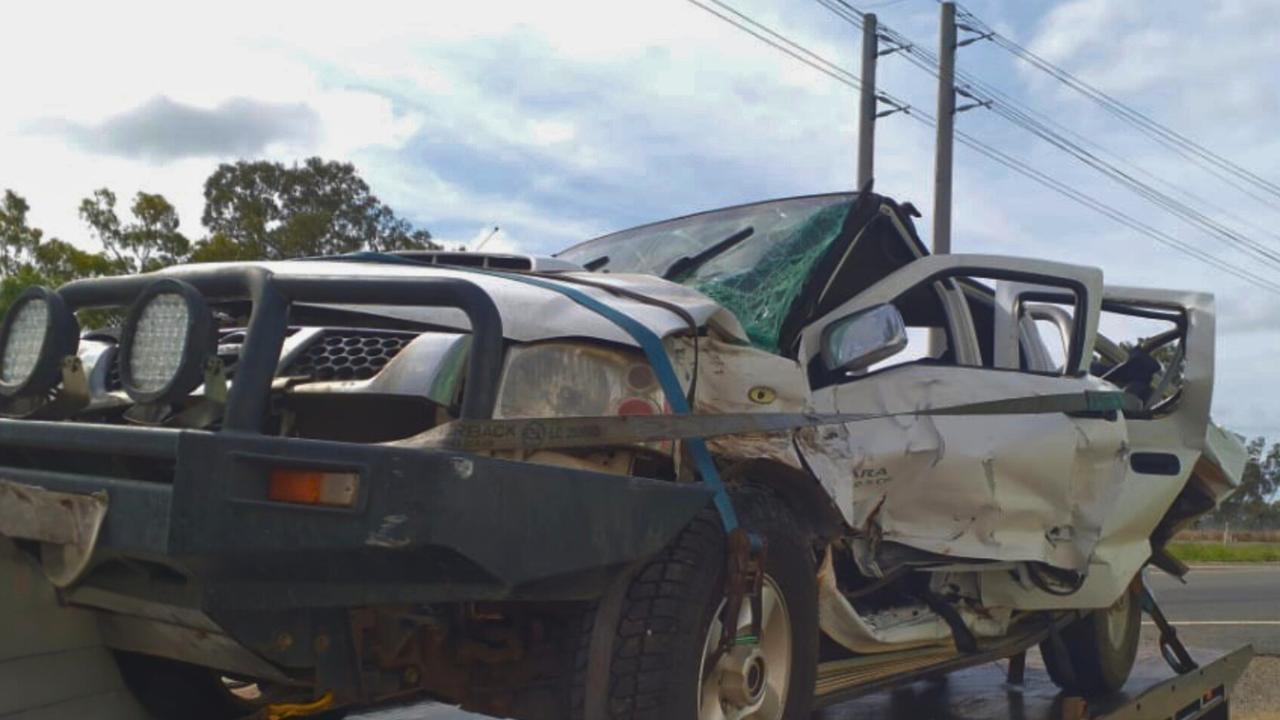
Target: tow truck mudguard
{"x": 428, "y": 526}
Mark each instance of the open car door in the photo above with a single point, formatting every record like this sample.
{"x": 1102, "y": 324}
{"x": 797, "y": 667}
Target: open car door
{"x": 947, "y": 489}
{"x": 1158, "y": 347}
{"x": 1171, "y": 370}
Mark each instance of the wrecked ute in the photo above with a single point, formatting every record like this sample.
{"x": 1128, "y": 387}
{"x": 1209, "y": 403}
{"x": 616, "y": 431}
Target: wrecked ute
{"x": 639, "y": 479}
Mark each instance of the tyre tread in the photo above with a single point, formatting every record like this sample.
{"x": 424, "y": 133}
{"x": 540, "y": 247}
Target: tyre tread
{"x": 655, "y": 603}
{"x": 662, "y": 596}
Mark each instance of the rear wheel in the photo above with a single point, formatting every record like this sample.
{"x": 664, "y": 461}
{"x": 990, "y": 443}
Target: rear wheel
{"x": 1099, "y": 649}
{"x": 662, "y": 661}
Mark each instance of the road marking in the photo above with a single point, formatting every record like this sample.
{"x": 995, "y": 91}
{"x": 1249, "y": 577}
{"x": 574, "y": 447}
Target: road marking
{"x": 1189, "y": 623}
{"x": 1238, "y": 566}
{"x": 1243, "y": 566}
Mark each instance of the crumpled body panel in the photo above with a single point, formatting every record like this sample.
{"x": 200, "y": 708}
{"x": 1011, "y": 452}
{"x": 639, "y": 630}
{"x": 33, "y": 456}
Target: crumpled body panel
{"x": 1184, "y": 431}
{"x": 895, "y": 628}
{"x": 1002, "y": 487}
{"x": 737, "y": 378}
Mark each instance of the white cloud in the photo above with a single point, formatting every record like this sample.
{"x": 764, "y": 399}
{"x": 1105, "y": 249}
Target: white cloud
{"x": 161, "y": 129}
{"x": 651, "y": 93}
{"x": 354, "y": 120}
{"x": 551, "y": 132}
{"x": 561, "y": 119}
{"x": 1210, "y": 63}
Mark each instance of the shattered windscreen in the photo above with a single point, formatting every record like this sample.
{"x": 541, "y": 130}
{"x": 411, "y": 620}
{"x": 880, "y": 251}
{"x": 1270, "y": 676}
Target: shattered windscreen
{"x": 752, "y": 259}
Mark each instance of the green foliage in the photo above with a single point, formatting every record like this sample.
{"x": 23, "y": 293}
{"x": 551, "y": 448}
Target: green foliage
{"x": 1203, "y": 552}
{"x": 150, "y": 242}
{"x": 253, "y": 210}
{"x": 267, "y": 210}
{"x": 27, "y": 259}
{"x": 60, "y": 262}
{"x": 1254, "y": 504}
{"x": 18, "y": 240}
{"x": 221, "y": 248}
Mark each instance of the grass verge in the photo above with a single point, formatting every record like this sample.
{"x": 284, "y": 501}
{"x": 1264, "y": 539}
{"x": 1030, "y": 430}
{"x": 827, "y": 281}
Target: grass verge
{"x": 1215, "y": 552}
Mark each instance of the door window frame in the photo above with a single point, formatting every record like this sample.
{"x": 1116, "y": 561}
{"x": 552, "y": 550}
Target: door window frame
{"x": 1083, "y": 283}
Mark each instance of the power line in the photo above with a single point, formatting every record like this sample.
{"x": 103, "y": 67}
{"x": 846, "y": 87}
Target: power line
{"x": 1237, "y": 180}
{"x": 1134, "y": 117}
{"x": 780, "y": 42}
{"x": 812, "y": 59}
{"x": 923, "y": 58}
{"x": 1113, "y": 213}
{"x": 1002, "y": 105}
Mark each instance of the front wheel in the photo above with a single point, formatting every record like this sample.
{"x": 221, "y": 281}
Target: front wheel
{"x": 663, "y": 663}
{"x": 748, "y": 681}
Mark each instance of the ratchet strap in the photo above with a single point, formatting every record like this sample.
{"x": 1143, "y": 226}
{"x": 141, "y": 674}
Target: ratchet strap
{"x": 531, "y": 434}
{"x": 571, "y": 432}
{"x": 1171, "y": 647}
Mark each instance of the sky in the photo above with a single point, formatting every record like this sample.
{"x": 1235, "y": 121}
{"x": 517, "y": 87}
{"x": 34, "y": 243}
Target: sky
{"x": 560, "y": 120}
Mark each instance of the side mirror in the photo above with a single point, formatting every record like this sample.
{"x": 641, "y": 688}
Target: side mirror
{"x": 864, "y": 338}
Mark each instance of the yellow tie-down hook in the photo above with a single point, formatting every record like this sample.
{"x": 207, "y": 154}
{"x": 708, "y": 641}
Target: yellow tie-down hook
{"x": 281, "y": 711}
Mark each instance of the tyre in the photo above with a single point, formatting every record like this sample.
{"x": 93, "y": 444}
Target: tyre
{"x": 1100, "y": 648}
{"x": 661, "y": 660}
{"x": 171, "y": 689}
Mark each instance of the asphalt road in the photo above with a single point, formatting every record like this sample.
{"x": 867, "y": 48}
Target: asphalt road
{"x": 1219, "y": 608}
{"x": 1222, "y": 607}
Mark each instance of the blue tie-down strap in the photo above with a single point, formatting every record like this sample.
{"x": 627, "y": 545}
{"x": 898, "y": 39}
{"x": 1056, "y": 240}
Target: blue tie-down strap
{"x": 651, "y": 344}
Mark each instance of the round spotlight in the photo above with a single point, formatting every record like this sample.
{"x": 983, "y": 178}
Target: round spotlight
{"x": 168, "y": 336}
{"x": 36, "y": 334}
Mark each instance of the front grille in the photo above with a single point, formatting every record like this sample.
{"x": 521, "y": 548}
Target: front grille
{"x": 348, "y": 354}
{"x": 113, "y": 373}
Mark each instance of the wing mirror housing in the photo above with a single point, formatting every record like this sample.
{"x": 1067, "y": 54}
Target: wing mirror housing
{"x": 864, "y": 338}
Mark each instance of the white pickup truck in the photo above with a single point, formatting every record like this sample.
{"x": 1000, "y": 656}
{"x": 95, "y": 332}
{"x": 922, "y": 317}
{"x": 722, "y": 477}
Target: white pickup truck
{"x": 732, "y": 465}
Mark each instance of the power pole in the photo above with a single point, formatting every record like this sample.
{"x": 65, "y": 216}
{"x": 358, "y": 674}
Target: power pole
{"x": 943, "y": 148}
{"x": 946, "y": 129}
{"x": 867, "y": 106}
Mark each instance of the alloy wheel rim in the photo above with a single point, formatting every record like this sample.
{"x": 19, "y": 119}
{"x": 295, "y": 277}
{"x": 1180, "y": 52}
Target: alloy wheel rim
{"x": 749, "y": 682}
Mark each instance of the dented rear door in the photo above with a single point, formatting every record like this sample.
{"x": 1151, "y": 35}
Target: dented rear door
{"x": 992, "y": 487}
{"x": 1172, "y": 440}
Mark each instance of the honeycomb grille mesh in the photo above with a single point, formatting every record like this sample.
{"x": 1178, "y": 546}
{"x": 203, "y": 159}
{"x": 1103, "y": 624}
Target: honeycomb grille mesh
{"x": 348, "y": 354}
{"x": 337, "y": 354}
{"x": 113, "y": 373}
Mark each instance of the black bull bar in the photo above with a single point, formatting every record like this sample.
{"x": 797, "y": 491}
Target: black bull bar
{"x": 271, "y": 296}
{"x": 429, "y": 525}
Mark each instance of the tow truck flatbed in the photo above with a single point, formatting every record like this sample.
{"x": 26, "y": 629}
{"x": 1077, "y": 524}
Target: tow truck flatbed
{"x": 1153, "y": 692}
{"x": 57, "y": 667}
{"x": 983, "y": 692}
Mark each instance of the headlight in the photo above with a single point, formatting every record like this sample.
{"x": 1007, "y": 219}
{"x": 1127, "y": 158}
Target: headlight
{"x": 37, "y": 333}
{"x": 168, "y": 337}
{"x": 572, "y": 380}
